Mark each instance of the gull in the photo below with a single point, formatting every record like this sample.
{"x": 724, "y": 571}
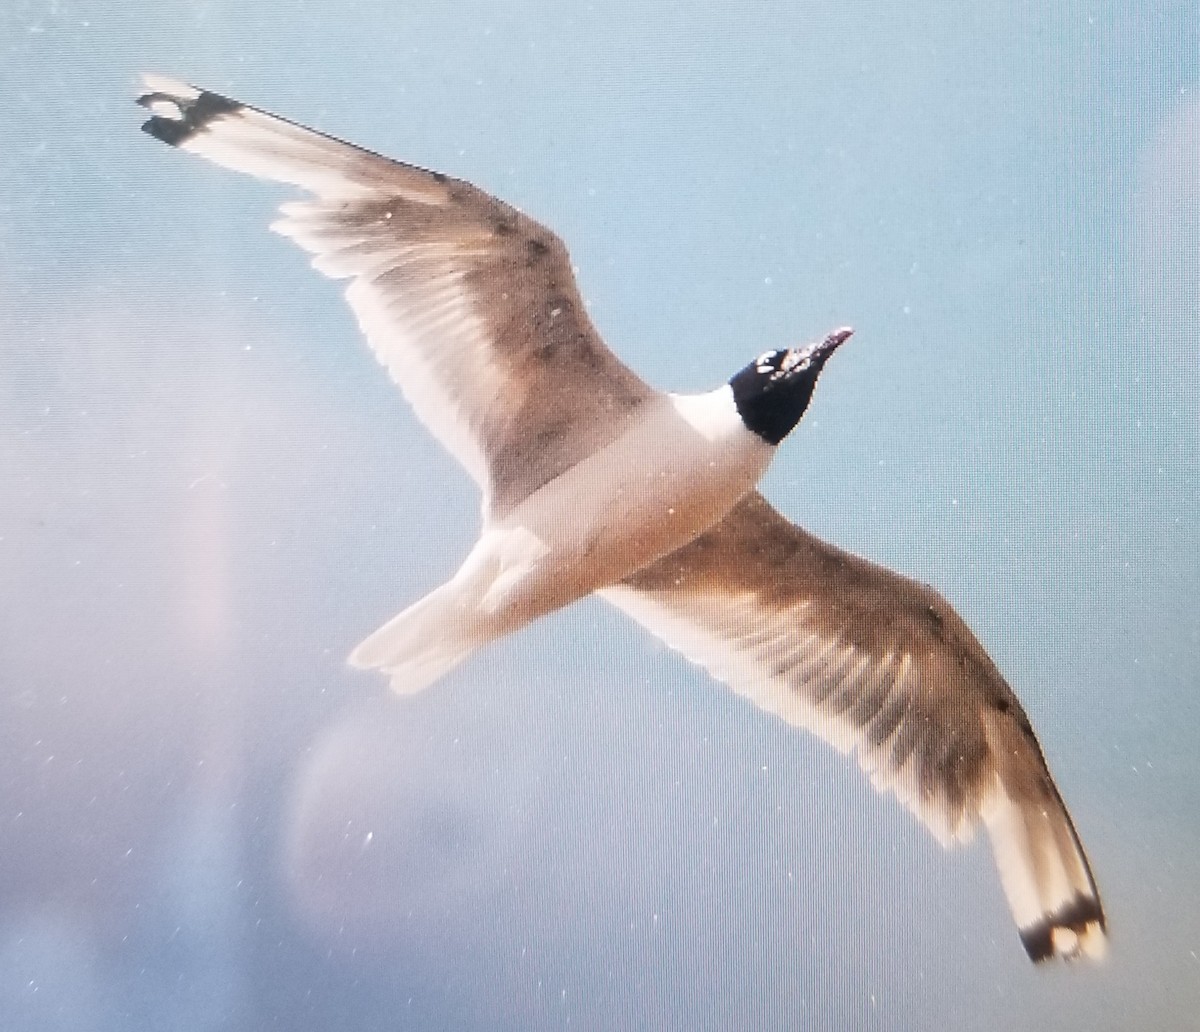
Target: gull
{"x": 593, "y": 482}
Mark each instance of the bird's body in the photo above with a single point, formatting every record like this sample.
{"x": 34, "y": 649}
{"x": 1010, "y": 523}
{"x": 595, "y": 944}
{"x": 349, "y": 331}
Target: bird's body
{"x": 648, "y": 492}
{"x": 594, "y": 482}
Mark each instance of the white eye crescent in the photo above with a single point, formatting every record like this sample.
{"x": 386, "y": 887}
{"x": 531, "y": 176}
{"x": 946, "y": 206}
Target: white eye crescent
{"x": 765, "y": 363}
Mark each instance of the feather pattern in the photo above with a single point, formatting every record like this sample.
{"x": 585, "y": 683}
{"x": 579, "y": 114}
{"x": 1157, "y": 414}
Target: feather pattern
{"x": 882, "y": 666}
{"x": 470, "y": 305}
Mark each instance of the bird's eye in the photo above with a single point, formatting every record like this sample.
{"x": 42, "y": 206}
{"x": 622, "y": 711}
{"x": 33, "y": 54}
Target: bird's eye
{"x": 768, "y": 362}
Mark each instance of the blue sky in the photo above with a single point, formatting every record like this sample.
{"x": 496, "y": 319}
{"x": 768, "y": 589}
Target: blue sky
{"x": 211, "y": 493}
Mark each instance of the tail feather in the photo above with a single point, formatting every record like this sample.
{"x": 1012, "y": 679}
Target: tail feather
{"x": 421, "y": 644}
{"x": 434, "y": 635}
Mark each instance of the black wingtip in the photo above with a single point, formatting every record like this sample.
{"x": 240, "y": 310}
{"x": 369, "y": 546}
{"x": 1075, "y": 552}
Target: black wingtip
{"x": 189, "y": 115}
{"x": 1083, "y": 917}
{"x": 1038, "y": 942}
{"x": 170, "y": 130}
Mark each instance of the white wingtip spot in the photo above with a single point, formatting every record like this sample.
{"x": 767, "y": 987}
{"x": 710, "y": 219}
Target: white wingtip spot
{"x": 1070, "y": 943}
{"x": 166, "y": 108}
{"x": 1064, "y": 941}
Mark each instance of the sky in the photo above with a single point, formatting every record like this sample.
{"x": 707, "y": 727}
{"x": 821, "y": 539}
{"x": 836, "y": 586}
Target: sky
{"x": 211, "y": 493}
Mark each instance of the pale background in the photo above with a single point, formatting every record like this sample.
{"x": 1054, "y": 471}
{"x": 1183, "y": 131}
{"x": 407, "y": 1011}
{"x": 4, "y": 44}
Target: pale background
{"x": 209, "y": 493}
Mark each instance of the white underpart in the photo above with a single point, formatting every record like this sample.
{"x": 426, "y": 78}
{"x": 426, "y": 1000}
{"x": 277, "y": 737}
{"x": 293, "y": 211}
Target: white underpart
{"x": 674, "y": 472}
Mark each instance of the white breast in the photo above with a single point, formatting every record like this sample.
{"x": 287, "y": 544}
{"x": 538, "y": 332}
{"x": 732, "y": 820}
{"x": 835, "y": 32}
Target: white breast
{"x": 675, "y": 472}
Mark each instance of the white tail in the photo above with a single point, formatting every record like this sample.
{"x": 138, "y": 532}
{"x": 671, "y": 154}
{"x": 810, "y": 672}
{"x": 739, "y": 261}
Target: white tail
{"x": 421, "y": 644}
{"x": 434, "y": 635}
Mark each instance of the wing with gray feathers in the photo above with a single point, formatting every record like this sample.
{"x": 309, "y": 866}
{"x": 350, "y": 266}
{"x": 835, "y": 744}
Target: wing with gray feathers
{"x": 471, "y": 305}
{"x": 881, "y": 665}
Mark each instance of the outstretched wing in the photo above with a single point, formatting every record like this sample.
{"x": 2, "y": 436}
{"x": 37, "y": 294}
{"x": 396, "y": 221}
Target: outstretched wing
{"x": 876, "y": 663}
{"x": 470, "y": 305}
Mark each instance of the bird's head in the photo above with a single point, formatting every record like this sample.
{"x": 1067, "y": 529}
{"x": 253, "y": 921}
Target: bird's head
{"x": 773, "y": 391}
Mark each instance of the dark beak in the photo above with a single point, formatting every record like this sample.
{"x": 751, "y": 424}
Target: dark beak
{"x": 832, "y": 342}
{"x": 814, "y": 355}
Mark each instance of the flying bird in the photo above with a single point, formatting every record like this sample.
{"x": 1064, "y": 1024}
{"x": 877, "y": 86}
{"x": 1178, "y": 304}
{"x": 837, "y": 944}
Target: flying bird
{"x": 595, "y": 482}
